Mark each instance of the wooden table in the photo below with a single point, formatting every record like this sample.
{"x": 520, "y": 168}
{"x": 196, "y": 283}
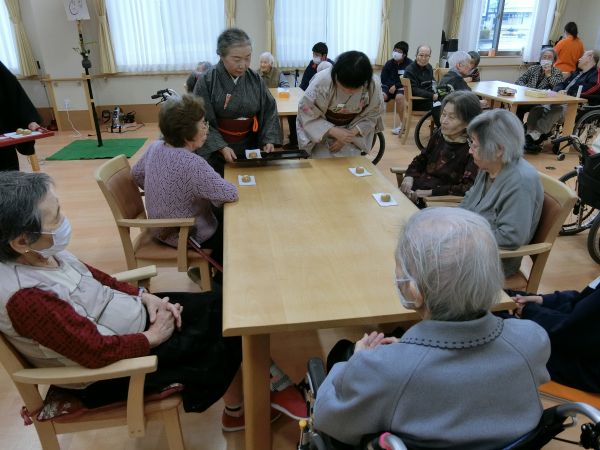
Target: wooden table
{"x": 306, "y": 248}
{"x": 489, "y": 90}
{"x": 287, "y": 106}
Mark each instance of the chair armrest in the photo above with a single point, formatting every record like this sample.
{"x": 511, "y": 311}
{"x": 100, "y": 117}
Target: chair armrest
{"x": 141, "y": 273}
{"x": 157, "y": 223}
{"x": 524, "y": 250}
{"x": 444, "y": 198}
{"x": 78, "y": 374}
{"x": 400, "y": 170}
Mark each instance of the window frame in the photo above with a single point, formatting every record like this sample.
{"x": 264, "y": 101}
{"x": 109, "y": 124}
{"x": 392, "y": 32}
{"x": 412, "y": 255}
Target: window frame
{"x": 496, "y": 37}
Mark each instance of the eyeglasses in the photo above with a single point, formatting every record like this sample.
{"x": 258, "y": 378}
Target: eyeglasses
{"x": 204, "y": 125}
{"x": 472, "y": 144}
{"x": 421, "y": 55}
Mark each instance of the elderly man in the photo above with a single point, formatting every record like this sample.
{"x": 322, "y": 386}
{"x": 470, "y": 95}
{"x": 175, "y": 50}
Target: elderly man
{"x": 460, "y": 378}
{"x": 542, "y": 118}
{"x": 420, "y": 74}
{"x": 460, "y": 67}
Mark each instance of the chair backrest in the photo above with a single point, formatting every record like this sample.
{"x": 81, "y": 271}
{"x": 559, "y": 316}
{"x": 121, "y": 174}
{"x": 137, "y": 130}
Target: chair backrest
{"x": 559, "y": 200}
{"x": 120, "y": 190}
{"x": 439, "y": 73}
{"x": 407, "y": 88}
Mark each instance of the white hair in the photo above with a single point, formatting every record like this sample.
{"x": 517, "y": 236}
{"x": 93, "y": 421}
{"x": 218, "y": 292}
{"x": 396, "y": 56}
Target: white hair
{"x": 498, "y": 129}
{"x": 459, "y": 57}
{"x": 269, "y": 57}
{"x": 324, "y": 65}
{"x": 452, "y": 257}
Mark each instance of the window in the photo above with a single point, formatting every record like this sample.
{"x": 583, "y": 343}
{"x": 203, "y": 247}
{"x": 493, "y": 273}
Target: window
{"x": 341, "y": 24}
{"x": 506, "y": 25}
{"x": 164, "y": 34}
{"x": 8, "y": 46}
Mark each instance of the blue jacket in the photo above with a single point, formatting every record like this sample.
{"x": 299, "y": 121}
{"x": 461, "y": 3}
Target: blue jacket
{"x": 390, "y": 74}
{"x": 590, "y": 81}
{"x": 309, "y": 72}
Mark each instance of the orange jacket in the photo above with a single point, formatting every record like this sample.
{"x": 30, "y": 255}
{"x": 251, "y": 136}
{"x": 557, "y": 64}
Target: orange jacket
{"x": 569, "y": 50}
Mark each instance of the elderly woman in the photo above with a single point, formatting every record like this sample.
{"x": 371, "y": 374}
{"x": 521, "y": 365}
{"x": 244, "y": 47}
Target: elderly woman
{"x": 340, "y": 112}
{"x": 202, "y": 67}
{"x": 58, "y": 311}
{"x": 271, "y": 75}
{"x": 179, "y": 183}
{"x": 240, "y": 109}
{"x": 461, "y": 378}
{"x": 507, "y": 191}
{"x": 445, "y": 167}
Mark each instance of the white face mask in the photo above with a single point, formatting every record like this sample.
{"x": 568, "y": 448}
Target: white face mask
{"x": 316, "y": 60}
{"x": 61, "y": 237}
{"x": 545, "y": 62}
{"x": 397, "y": 56}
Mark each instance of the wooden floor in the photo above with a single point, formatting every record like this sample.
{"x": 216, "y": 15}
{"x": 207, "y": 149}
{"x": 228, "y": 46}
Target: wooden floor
{"x": 95, "y": 240}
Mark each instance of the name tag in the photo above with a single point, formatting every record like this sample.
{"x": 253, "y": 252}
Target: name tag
{"x": 594, "y": 284}
{"x": 340, "y": 105}
{"x": 400, "y": 72}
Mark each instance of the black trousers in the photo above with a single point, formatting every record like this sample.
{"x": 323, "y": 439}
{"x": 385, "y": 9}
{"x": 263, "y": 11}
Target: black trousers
{"x": 8, "y": 155}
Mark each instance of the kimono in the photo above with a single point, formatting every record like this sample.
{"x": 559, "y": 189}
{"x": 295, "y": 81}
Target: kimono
{"x": 322, "y": 103}
{"x": 241, "y": 115}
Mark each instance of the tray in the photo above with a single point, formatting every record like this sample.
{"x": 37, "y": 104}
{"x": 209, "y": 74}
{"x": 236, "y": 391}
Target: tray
{"x": 274, "y": 156}
{"x": 9, "y": 139}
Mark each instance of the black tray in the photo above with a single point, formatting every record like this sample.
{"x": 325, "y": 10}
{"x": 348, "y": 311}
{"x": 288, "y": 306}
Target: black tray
{"x": 274, "y": 156}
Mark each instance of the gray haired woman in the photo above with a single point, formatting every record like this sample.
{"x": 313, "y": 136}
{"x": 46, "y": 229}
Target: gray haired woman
{"x": 461, "y": 378}
{"x": 271, "y": 75}
{"x": 507, "y": 191}
{"x": 240, "y": 109}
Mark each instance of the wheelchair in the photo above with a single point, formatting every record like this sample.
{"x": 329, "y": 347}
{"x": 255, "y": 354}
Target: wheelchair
{"x": 377, "y": 149}
{"x": 554, "y": 420}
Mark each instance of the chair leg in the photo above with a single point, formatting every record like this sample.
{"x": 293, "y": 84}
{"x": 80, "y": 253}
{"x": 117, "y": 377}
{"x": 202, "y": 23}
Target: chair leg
{"x": 173, "y": 429}
{"x": 47, "y": 435}
{"x": 205, "y": 277}
{"x": 33, "y": 160}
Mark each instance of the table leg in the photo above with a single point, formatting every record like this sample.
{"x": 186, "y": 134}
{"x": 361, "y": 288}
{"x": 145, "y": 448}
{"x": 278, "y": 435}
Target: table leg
{"x": 33, "y": 160}
{"x": 257, "y": 405}
{"x": 570, "y": 115}
{"x": 513, "y": 108}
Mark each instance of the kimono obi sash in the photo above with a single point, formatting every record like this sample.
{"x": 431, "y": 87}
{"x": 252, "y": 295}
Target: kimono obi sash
{"x": 340, "y": 119}
{"x": 234, "y": 130}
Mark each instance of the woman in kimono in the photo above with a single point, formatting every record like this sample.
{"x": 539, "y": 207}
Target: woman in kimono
{"x": 241, "y": 111}
{"x": 341, "y": 110}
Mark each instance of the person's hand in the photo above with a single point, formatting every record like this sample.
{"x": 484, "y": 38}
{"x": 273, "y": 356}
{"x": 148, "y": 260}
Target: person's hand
{"x": 547, "y": 69}
{"x": 372, "y": 340}
{"x": 468, "y": 79}
{"x": 522, "y": 300}
{"x": 153, "y": 304}
{"x": 407, "y": 184}
{"x": 421, "y": 193}
{"x": 33, "y": 126}
{"x": 435, "y": 97}
{"x": 228, "y": 154}
{"x": 268, "y": 148}
{"x": 392, "y": 89}
{"x": 336, "y": 146}
{"x": 342, "y": 134}
{"x": 483, "y": 102}
{"x": 161, "y": 329}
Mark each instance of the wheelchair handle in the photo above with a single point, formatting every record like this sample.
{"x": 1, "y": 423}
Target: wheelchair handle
{"x": 570, "y": 409}
{"x": 572, "y": 138}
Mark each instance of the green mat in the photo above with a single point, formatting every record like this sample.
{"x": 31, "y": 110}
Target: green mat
{"x": 88, "y": 149}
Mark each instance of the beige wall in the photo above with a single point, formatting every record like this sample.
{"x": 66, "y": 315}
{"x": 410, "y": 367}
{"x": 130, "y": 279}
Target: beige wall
{"x": 53, "y": 39}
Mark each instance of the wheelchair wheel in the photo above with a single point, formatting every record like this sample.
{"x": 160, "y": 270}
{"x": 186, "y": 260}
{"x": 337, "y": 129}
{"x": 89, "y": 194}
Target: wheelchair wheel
{"x": 587, "y": 128}
{"x": 593, "y": 242}
{"x": 377, "y": 149}
{"x": 424, "y": 130}
{"x": 582, "y": 215}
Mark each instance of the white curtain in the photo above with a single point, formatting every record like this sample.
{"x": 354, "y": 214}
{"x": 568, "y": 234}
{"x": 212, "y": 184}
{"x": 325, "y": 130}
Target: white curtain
{"x": 8, "y": 45}
{"x": 470, "y": 23}
{"x": 540, "y": 30}
{"x": 164, "y": 34}
{"x": 341, "y": 24}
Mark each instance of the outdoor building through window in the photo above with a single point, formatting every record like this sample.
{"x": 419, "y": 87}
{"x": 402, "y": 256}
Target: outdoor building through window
{"x": 506, "y": 25}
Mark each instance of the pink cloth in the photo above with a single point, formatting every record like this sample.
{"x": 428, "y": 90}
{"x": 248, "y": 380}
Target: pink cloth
{"x": 179, "y": 183}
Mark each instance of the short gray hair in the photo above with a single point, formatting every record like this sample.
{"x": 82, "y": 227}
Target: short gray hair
{"x": 20, "y": 197}
{"x": 549, "y": 50}
{"x": 423, "y": 46}
{"x": 498, "y": 129}
{"x": 268, "y": 56}
{"x": 452, "y": 257}
{"x": 232, "y": 37}
{"x": 459, "y": 57}
{"x": 466, "y": 105}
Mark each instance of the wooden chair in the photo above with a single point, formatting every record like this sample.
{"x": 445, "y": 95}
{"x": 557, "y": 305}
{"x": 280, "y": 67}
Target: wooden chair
{"x": 134, "y": 414}
{"x": 558, "y": 202}
{"x": 125, "y": 202}
{"x": 439, "y": 72}
{"x": 408, "y": 108}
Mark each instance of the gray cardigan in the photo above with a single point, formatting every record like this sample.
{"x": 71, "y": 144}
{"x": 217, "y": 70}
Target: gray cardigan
{"x": 453, "y": 385}
{"x": 512, "y": 206}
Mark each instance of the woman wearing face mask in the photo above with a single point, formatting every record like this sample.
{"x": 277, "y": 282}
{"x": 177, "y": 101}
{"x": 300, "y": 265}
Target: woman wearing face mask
{"x": 241, "y": 111}
{"x": 391, "y": 73}
{"x": 542, "y": 76}
{"x": 341, "y": 110}
{"x": 58, "y": 311}
{"x": 432, "y": 386}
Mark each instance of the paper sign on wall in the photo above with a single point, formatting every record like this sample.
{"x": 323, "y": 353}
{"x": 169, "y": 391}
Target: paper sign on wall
{"x": 76, "y": 10}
